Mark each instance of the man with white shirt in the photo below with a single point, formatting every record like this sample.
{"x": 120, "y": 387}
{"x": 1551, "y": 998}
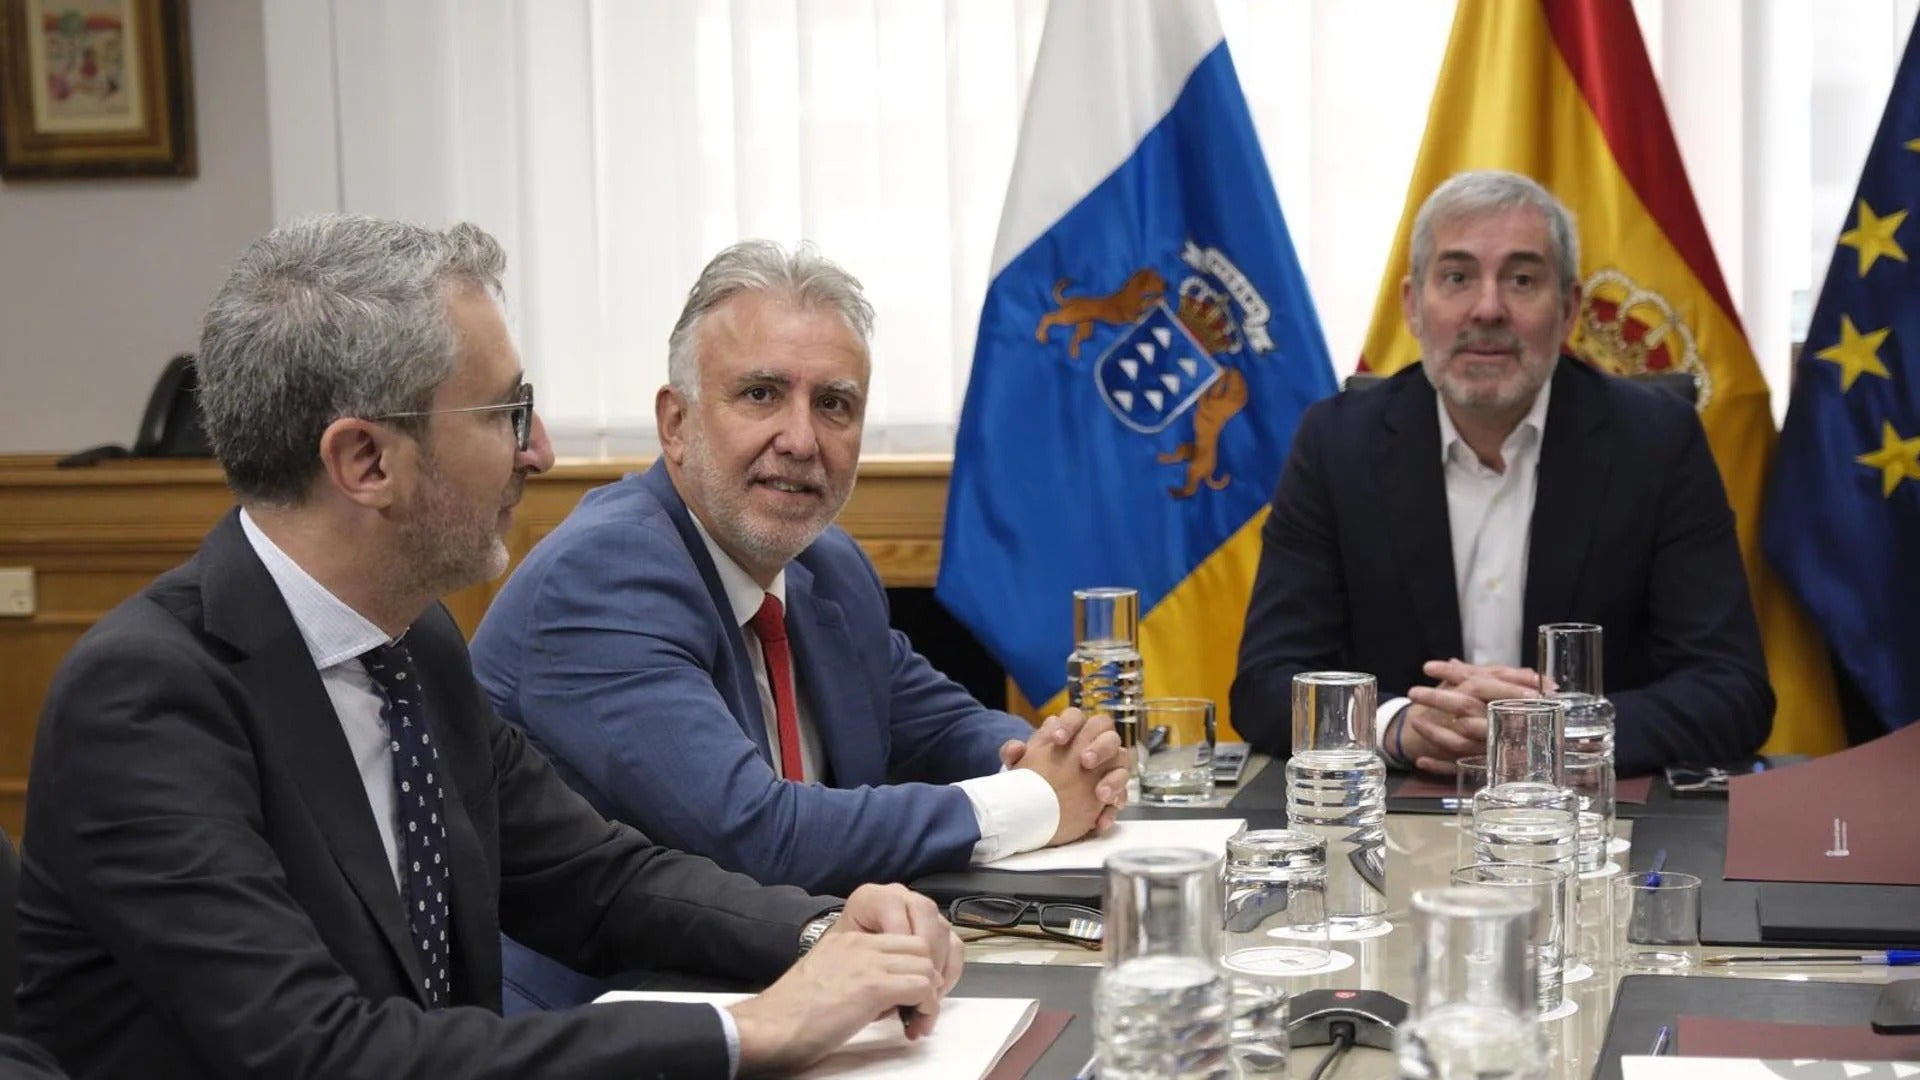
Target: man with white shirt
{"x": 1423, "y": 529}
{"x": 274, "y": 829}
{"x": 705, "y": 655}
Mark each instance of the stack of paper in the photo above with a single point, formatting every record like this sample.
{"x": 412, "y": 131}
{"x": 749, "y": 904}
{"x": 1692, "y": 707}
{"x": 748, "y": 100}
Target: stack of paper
{"x": 970, "y": 1038}
{"x": 1207, "y": 834}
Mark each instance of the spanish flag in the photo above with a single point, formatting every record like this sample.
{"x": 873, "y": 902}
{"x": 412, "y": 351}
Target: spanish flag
{"x": 1561, "y": 90}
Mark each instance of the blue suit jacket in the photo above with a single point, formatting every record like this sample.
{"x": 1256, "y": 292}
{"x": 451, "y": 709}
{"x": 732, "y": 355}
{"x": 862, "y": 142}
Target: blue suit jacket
{"x": 1631, "y": 529}
{"x": 614, "y": 647}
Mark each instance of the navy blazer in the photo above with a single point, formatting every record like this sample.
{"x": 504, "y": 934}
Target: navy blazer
{"x": 1631, "y": 530}
{"x": 204, "y": 892}
{"x": 614, "y": 647}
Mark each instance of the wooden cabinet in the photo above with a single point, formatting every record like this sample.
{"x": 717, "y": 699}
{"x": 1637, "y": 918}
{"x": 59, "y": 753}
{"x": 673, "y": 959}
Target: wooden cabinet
{"x": 94, "y": 536}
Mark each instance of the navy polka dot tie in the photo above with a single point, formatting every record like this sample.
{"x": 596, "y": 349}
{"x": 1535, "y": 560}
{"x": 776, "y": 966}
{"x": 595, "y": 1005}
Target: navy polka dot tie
{"x": 423, "y": 828}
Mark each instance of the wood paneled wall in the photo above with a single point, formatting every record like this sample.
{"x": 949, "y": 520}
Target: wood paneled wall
{"x": 95, "y": 536}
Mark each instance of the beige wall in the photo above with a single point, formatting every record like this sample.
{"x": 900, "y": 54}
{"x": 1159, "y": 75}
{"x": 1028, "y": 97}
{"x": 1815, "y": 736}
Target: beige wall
{"x": 102, "y": 280}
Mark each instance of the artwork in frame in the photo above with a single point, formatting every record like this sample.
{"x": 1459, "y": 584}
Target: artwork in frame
{"x": 95, "y": 88}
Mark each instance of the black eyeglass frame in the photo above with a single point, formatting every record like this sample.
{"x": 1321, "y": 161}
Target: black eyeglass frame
{"x": 1020, "y": 908}
{"x": 522, "y": 416}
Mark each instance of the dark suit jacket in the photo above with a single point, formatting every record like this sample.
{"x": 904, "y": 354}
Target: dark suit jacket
{"x": 614, "y": 646}
{"x": 204, "y": 891}
{"x": 1631, "y": 529}
{"x": 22, "y": 1060}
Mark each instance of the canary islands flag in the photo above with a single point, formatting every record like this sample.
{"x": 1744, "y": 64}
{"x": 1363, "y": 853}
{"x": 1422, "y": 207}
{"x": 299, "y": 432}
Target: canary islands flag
{"x": 1843, "y": 508}
{"x": 1146, "y": 347}
{"x": 1562, "y": 91}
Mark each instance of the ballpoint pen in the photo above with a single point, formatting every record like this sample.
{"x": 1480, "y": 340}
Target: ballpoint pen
{"x": 1886, "y": 957}
{"x": 1090, "y": 1070}
{"x": 1660, "y": 1040}
{"x": 1653, "y": 871}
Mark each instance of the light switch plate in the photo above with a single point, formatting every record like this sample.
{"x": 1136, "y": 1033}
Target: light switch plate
{"x": 17, "y": 600}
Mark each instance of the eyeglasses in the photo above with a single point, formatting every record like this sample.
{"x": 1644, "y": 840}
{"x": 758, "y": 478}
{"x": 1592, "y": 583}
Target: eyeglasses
{"x": 1075, "y": 924}
{"x": 522, "y": 407}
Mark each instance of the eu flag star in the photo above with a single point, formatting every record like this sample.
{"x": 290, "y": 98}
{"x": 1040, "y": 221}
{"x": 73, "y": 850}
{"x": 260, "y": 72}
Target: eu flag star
{"x": 1872, "y": 236}
{"x": 1897, "y": 459}
{"x": 1856, "y": 353}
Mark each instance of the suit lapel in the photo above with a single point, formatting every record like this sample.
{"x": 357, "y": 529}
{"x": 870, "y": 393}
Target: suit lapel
{"x": 744, "y": 699}
{"x": 244, "y": 608}
{"x": 822, "y": 653}
{"x": 1570, "y": 487}
{"x": 1413, "y": 509}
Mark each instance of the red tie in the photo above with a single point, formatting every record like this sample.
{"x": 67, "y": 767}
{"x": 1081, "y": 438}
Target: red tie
{"x": 770, "y": 626}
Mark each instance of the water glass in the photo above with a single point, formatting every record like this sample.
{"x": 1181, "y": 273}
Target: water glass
{"x": 1469, "y": 777}
{"x": 1161, "y": 1005}
{"x": 1570, "y": 671}
{"x": 1659, "y": 919}
{"x": 1334, "y": 710}
{"x": 1162, "y": 902}
{"x": 1106, "y": 616}
{"x": 1177, "y": 743}
{"x": 1274, "y": 920}
{"x": 1546, "y": 889}
{"x": 1570, "y": 660}
{"x": 1524, "y": 740}
{"x": 1474, "y": 985}
{"x": 1337, "y": 791}
{"x": 1273, "y": 927}
{"x": 1590, "y": 778}
{"x": 1537, "y": 824}
{"x": 1104, "y": 671}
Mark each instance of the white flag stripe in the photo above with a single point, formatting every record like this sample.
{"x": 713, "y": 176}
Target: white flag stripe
{"x": 1143, "y": 52}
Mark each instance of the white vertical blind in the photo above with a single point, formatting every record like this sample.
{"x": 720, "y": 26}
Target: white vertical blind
{"x": 614, "y": 145}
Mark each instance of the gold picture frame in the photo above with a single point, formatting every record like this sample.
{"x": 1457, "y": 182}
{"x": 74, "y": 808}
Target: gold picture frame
{"x": 95, "y": 88}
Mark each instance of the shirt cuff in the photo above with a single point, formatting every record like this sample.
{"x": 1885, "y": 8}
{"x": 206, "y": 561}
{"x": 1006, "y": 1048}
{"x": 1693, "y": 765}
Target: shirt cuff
{"x": 733, "y": 1041}
{"x": 1016, "y": 811}
{"x": 1381, "y": 718}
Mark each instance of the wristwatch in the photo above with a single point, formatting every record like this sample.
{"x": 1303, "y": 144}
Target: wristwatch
{"x": 811, "y": 933}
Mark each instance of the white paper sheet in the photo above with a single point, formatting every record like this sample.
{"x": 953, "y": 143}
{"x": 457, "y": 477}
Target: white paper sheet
{"x": 1705, "y": 1068}
{"x": 1207, "y": 834}
{"x": 968, "y": 1041}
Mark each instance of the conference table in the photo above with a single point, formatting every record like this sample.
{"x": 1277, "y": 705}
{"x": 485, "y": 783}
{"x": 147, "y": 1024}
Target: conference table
{"x": 1422, "y": 850}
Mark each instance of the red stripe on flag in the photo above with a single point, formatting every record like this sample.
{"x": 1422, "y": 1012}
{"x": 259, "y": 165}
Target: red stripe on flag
{"x": 1601, "y": 43}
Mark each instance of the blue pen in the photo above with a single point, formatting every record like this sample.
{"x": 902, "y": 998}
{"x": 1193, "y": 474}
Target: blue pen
{"x": 1653, "y": 873}
{"x": 1660, "y": 1040}
{"x": 1882, "y": 957}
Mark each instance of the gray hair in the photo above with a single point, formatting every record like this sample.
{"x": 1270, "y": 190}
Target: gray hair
{"x": 1489, "y": 191}
{"x": 802, "y": 275}
{"x": 324, "y": 318}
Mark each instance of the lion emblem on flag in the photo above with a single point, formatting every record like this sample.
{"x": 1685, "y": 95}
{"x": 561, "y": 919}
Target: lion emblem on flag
{"x": 1172, "y": 357}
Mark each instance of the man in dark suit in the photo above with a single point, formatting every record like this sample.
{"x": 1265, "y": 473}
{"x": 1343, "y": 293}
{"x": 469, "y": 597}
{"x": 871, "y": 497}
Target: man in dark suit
{"x": 705, "y": 655}
{"x": 274, "y": 828}
{"x": 1424, "y": 528}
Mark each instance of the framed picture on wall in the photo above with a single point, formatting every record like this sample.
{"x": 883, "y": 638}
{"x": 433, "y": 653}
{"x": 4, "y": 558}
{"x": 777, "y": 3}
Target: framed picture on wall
{"x": 95, "y": 88}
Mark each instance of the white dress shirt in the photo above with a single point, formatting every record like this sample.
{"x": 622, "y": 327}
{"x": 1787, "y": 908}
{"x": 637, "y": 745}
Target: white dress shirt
{"x": 1015, "y": 809}
{"x": 337, "y": 635}
{"x": 1490, "y": 518}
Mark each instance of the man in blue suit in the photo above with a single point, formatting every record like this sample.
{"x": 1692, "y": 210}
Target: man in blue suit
{"x": 705, "y": 656}
{"x": 1423, "y": 529}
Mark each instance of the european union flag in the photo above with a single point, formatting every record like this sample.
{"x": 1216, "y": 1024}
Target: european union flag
{"x": 1146, "y": 347}
{"x": 1842, "y": 524}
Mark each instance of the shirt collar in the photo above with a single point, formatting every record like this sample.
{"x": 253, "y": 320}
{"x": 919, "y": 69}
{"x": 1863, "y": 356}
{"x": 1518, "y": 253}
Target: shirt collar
{"x": 333, "y": 631}
{"x": 1527, "y": 431}
{"x": 744, "y": 594}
